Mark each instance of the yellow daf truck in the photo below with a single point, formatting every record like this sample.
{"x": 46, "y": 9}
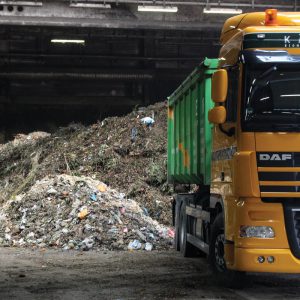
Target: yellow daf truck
{"x": 234, "y": 137}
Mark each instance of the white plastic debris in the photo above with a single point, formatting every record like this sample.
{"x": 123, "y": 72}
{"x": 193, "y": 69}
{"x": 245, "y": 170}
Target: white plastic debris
{"x": 121, "y": 195}
{"x": 87, "y": 244}
{"x": 148, "y": 121}
{"x": 52, "y": 191}
{"x": 65, "y": 230}
{"x": 30, "y": 235}
{"x": 134, "y": 245}
{"x": 7, "y": 237}
{"x": 87, "y": 227}
{"x": 148, "y": 247}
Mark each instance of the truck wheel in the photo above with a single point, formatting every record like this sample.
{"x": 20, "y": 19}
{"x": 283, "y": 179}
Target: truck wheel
{"x": 225, "y": 277}
{"x": 186, "y": 249}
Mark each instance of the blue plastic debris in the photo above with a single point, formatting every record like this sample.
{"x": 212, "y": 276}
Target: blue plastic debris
{"x": 145, "y": 210}
{"x": 93, "y": 197}
{"x": 134, "y": 133}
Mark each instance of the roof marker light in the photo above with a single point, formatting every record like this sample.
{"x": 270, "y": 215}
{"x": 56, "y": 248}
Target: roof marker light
{"x": 271, "y": 17}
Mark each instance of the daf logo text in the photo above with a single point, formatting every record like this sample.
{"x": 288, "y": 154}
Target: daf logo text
{"x": 275, "y": 156}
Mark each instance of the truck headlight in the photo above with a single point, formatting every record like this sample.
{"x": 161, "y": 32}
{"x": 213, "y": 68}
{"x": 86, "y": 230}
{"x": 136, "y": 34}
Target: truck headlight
{"x": 263, "y": 232}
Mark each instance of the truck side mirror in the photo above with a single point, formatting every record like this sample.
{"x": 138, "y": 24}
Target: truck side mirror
{"x": 219, "y": 86}
{"x": 217, "y": 115}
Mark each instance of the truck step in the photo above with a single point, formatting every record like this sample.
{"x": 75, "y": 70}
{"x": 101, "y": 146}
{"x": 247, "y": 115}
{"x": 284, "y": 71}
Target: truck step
{"x": 198, "y": 213}
{"x": 198, "y": 243}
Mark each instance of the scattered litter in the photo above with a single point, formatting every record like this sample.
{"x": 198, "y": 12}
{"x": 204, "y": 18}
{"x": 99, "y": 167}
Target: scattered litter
{"x": 145, "y": 210}
{"x": 148, "y": 247}
{"x": 52, "y": 191}
{"x": 133, "y": 135}
{"x": 122, "y": 210}
{"x": 87, "y": 244}
{"x": 171, "y": 232}
{"x": 83, "y": 213}
{"x": 134, "y": 245}
{"x": 101, "y": 188}
{"x": 93, "y": 197}
{"x": 148, "y": 121}
{"x": 141, "y": 236}
{"x": 21, "y": 139}
{"x": 62, "y": 210}
{"x": 75, "y": 222}
{"x": 113, "y": 230}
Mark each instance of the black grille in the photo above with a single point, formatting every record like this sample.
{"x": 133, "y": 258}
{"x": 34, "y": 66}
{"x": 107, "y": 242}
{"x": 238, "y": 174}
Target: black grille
{"x": 279, "y": 189}
{"x": 279, "y": 176}
{"x": 296, "y": 215}
{"x": 278, "y": 159}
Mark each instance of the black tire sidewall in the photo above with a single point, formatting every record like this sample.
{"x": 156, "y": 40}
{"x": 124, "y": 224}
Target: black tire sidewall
{"x": 217, "y": 228}
{"x": 227, "y": 278}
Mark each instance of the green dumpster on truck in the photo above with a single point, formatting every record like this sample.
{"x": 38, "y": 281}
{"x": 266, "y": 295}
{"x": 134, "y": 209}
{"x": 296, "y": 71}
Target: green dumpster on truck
{"x": 189, "y": 132}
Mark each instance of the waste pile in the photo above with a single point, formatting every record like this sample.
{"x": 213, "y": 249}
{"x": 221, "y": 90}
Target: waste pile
{"x": 27, "y": 138}
{"x": 126, "y": 153}
{"x": 72, "y": 212}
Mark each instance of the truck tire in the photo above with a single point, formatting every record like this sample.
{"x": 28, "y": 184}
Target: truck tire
{"x": 186, "y": 249}
{"x": 225, "y": 277}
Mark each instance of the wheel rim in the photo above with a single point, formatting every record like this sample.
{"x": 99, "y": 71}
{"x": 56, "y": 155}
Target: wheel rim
{"x": 219, "y": 252}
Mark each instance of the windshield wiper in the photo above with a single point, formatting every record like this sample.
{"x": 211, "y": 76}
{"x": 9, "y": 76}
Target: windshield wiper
{"x": 267, "y": 72}
{"x": 256, "y": 83}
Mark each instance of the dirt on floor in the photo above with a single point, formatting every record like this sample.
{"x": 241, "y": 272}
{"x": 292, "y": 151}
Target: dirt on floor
{"x": 27, "y": 274}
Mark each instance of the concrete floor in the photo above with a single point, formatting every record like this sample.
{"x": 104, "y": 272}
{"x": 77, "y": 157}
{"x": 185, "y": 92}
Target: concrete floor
{"x": 36, "y": 274}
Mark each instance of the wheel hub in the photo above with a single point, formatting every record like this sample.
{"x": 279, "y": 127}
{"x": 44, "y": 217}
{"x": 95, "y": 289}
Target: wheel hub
{"x": 219, "y": 252}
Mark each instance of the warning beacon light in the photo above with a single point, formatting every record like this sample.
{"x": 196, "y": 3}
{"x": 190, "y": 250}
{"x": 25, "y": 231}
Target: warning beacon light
{"x": 271, "y": 17}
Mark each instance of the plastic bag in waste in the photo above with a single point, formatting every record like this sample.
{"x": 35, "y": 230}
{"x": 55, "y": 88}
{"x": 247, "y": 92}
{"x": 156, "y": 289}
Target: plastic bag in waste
{"x": 148, "y": 121}
{"x": 148, "y": 247}
{"x": 83, "y": 213}
{"x": 87, "y": 244}
{"x": 134, "y": 245}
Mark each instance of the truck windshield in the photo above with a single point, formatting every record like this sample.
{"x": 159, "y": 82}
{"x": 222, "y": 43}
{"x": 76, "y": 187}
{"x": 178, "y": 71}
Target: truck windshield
{"x": 272, "y": 99}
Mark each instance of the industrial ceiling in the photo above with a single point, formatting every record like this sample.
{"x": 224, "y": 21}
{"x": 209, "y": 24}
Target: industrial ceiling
{"x": 123, "y": 53}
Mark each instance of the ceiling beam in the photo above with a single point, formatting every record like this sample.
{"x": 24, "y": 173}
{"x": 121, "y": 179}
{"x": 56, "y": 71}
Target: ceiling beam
{"x": 71, "y": 100}
{"x": 110, "y": 24}
{"x": 251, "y": 4}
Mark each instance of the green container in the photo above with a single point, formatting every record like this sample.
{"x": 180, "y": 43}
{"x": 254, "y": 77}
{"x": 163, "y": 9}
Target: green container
{"x": 189, "y": 132}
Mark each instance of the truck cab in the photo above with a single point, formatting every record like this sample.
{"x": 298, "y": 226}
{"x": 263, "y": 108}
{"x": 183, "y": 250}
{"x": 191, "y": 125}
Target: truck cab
{"x": 247, "y": 215}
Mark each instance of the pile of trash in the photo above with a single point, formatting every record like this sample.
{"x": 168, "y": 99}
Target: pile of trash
{"x": 102, "y": 186}
{"x": 72, "y": 212}
{"x": 21, "y": 138}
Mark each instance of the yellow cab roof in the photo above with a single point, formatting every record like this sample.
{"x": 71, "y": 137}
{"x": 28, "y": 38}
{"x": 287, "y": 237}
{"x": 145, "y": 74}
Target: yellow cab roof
{"x": 246, "y": 22}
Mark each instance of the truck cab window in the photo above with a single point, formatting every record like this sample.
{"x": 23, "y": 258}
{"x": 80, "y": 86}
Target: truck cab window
{"x": 232, "y": 94}
{"x": 273, "y": 102}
